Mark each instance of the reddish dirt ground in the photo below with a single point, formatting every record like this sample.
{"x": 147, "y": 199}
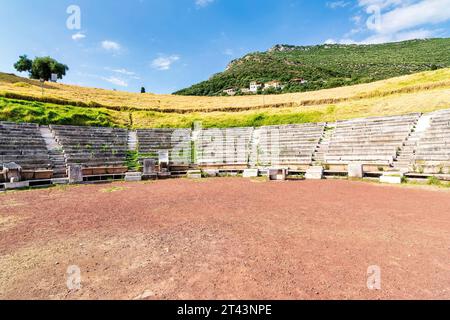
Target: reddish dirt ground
{"x": 225, "y": 238}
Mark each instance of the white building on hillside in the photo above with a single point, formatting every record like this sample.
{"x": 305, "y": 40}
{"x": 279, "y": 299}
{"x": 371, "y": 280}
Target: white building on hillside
{"x": 255, "y": 86}
{"x": 273, "y": 84}
{"x": 230, "y": 91}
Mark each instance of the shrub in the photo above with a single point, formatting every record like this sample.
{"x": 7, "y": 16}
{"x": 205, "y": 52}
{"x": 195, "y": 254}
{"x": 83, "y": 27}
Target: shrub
{"x": 433, "y": 181}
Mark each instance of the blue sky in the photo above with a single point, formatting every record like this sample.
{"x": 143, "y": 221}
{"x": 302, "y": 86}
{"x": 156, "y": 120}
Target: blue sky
{"x": 171, "y": 44}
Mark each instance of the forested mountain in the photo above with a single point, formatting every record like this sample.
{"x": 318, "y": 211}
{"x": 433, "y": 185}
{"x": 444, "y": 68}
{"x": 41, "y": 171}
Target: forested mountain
{"x": 327, "y": 66}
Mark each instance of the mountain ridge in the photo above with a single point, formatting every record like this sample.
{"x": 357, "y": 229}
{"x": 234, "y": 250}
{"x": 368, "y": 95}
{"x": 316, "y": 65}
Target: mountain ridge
{"x": 326, "y": 66}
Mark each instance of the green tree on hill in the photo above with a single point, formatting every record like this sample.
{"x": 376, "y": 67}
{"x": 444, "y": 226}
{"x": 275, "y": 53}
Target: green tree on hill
{"x": 24, "y": 64}
{"x": 41, "y": 67}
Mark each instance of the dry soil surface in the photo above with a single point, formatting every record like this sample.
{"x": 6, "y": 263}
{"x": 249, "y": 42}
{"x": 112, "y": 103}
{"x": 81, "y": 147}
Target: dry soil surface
{"x": 225, "y": 238}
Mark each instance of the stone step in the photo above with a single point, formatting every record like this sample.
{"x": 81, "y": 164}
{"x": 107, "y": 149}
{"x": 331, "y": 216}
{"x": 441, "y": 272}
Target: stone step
{"x": 133, "y": 176}
{"x": 314, "y": 173}
{"x": 56, "y": 155}
{"x": 60, "y": 165}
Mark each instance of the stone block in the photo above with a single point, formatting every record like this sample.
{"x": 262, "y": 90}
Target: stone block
{"x": 355, "y": 170}
{"x": 277, "y": 174}
{"x": 164, "y": 174}
{"x": 314, "y": 173}
{"x": 17, "y": 185}
{"x": 163, "y": 159}
{"x": 251, "y": 173}
{"x": 13, "y": 172}
{"x": 133, "y": 176}
{"x": 60, "y": 181}
{"x": 149, "y": 167}
{"x": 43, "y": 174}
{"x": 75, "y": 174}
{"x": 392, "y": 177}
{"x": 194, "y": 174}
{"x": 98, "y": 171}
{"x": 211, "y": 172}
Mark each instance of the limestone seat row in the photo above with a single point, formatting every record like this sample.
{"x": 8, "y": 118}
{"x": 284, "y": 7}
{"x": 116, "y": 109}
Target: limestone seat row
{"x": 23, "y": 144}
{"x": 286, "y": 145}
{"x": 176, "y": 141}
{"x": 223, "y": 147}
{"x": 372, "y": 141}
{"x": 432, "y": 153}
{"x": 92, "y": 147}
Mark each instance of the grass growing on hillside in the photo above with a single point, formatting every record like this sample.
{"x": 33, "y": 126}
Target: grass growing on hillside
{"x": 423, "y": 92}
{"x": 61, "y": 94}
{"x": 426, "y": 101}
{"x": 328, "y": 66}
{"x": 44, "y": 113}
{"x": 224, "y": 120}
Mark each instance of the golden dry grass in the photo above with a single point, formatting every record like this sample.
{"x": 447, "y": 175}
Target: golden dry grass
{"x": 422, "y": 92}
{"x": 397, "y": 104}
{"x": 425, "y": 81}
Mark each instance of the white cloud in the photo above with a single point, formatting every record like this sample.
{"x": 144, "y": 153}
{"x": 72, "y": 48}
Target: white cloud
{"x": 337, "y": 4}
{"x": 203, "y": 3}
{"x": 116, "y": 81}
{"x": 399, "y": 36}
{"x": 383, "y": 3}
{"x": 397, "y": 20}
{"x": 330, "y": 41}
{"x": 78, "y": 36}
{"x": 414, "y": 15}
{"x": 122, "y": 71}
{"x": 356, "y": 19}
{"x": 164, "y": 62}
{"x": 111, "y": 45}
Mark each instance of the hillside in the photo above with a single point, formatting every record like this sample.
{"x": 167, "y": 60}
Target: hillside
{"x": 327, "y": 66}
{"x": 21, "y": 100}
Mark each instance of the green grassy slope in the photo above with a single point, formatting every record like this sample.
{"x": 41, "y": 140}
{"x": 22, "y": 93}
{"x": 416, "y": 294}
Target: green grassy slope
{"x": 422, "y": 92}
{"x": 45, "y": 113}
{"x": 328, "y": 66}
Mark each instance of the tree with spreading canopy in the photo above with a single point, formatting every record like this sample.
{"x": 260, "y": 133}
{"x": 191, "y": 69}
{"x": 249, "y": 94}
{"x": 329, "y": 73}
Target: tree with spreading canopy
{"x": 41, "y": 67}
{"x": 24, "y": 64}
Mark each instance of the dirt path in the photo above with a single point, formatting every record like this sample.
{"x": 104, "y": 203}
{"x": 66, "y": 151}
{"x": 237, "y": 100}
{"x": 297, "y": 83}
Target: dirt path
{"x": 225, "y": 239}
